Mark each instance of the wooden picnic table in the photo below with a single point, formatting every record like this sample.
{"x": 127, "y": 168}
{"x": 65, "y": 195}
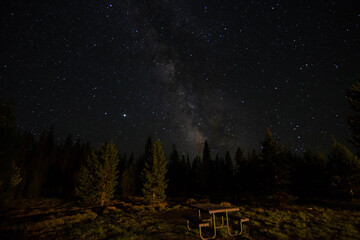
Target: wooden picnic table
{"x": 213, "y": 210}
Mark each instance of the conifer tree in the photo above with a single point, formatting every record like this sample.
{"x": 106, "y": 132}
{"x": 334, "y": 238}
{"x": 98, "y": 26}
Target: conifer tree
{"x": 253, "y": 173}
{"x": 353, "y": 97}
{"x": 9, "y": 143}
{"x": 228, "y": 172}
{"x": 154, "y": 175}
{"x": 268, "y": 160}
{"x": 275, "y": 165}
{"x": 206, "y": 169}
{"x": 37, "y": 167}
{"x": 98, "y": 178}
{"x": 175, "y": 171}
{"x": 128, "y": 184}
{"x": 345, "y": 170}
{"x": 314, "y": 166}
{"x": 196, "y": 174}
{"x": 186, "y": 178}
{"x": 140, "y": 164}
{"x": 239, "y": 161}
{"x": 241, "y": 170}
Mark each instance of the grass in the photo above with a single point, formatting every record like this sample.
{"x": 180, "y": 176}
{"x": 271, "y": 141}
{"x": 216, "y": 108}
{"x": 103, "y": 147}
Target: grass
{"x": 56, "y": 219}
{"x": 295, "y": 222}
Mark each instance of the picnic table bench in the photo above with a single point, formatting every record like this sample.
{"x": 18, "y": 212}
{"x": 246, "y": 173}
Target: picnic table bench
{"x": 241, "y": 221}
{"x": 197, "y": 221}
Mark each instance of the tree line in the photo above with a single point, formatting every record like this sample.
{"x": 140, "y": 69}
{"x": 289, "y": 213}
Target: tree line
{"x": 72, "y": 169}
{"x": 42, "y": 167}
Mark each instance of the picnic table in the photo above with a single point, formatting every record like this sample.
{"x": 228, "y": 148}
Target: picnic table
{"x": 211, "y": 211}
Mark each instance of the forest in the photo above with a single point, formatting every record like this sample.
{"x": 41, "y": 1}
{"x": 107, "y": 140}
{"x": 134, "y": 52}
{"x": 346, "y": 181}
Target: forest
{"x": 45, "y": 168}
{"x": 73, "y": 171}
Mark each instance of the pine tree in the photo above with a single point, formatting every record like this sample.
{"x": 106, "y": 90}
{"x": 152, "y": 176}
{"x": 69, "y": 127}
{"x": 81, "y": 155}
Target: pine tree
{"x": 175, "y": 172}
{"x": 206, "y": 169}
{"x": 353, "y": 97}
{"x": 314, "y": 166}
{"x": 140, "y": 164}
{"x": 154, "y": 173}
{"x": 239, "y": 161}
{"x": 228, "y": 172}
{"x": 268, "y": 161}
{"x": 196, "y": 179}
{"x": 98, "y": 178}
{"x": 128, "y": 178}
{"x": 240, "y": 170}
{"x": 275, "y": 167}
{"x": 37, "y": 168}
{"x": 9, "y": 144}
{"x": 345, "y": 170}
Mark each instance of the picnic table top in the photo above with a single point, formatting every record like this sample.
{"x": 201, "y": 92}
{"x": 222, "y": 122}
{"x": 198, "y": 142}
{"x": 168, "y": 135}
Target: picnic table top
{"x": 214, "y": 208}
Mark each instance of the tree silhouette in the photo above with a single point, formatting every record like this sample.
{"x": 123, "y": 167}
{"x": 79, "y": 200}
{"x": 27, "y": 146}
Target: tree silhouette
{"x": 353, "y": 97}
{"x": 128, "y": 178}
{"x": 98, "y": 178}
{"x": 345, "y": 170}
{"x": 154, "y": 175}
{"x": 9, "y": 144}
{"x": 140, "y": 164}
{"x": 206, "y": 169}
{"x": 275, "y": 165}
{"x": 309, "y": 176}
{"x": 175, "y": 172}
{"x": 228, "y": 172}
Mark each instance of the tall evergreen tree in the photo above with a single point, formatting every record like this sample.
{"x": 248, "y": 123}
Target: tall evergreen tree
{"x": 268, "y": 160}
{"x": 275, "y": 165}
{"x": 218, "y": 175}
{"x": 71, "y": 156}
{"x": 345, "y": 171}
{"x": 37, "y": 168}
{"x": 240, "y": 171}
{"x": 186, "y": 177}
{"x": 309, "y": 175}
{"x": 140, "y": 164}
{"x": 52, "y": 176}
{"x": 353, "y": 97}
{"x": 196, "y": 175}
{"x": 228, "y": 172}
{"x": 175, "y": 172}
{"x": 98, "y": 178}
{"x": 253, "y": 173}
{"x": 128, "y": 178}
{"x": 154, "y": 175}
{"x": 206, "y": 169}
{"x": 239, "y": 161}
{"x": 9, "y": 144}
{"x": 24, "y": 152}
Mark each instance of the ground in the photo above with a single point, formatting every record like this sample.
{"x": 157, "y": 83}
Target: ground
{"x": 129, "y": 219}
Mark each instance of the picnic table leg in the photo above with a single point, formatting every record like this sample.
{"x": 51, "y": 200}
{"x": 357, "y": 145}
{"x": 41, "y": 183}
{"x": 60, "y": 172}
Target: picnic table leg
{"x": 201, "y": 236}
{"x": 222, "y": 220}
{"x": 228, "y": 226}
{"x": 188, "y": 224}
{"x": 214, "y": 227}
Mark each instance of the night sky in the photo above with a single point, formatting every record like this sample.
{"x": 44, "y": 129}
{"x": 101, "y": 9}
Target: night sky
{"x": 182, "y": 71}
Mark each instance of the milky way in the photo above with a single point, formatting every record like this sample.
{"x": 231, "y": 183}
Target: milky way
{"x": 182, "y": 71}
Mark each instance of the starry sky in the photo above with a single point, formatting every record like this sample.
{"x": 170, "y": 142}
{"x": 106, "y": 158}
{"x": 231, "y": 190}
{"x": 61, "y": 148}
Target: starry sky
{"x": 182, "y": 71}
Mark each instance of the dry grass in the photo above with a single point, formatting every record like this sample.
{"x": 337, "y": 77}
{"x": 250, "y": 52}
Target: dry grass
{"x": 56, "y": 219}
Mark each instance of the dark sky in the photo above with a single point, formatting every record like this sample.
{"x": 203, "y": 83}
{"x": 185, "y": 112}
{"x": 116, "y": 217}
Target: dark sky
{"x": 182, "y": 71}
